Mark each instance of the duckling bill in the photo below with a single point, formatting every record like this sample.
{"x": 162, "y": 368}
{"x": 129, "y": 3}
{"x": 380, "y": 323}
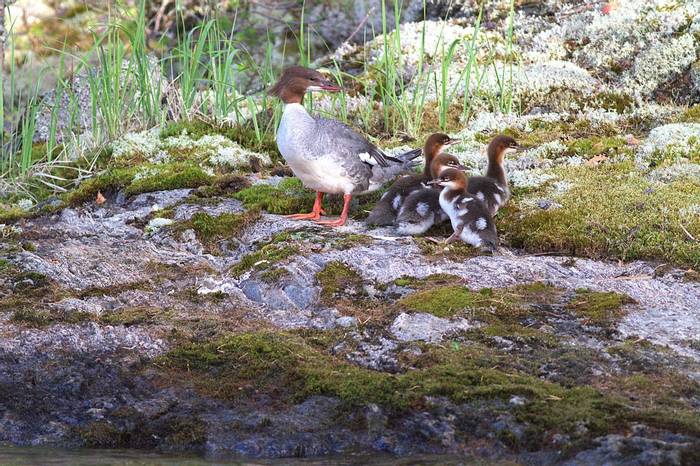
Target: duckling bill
{"x": 327, "y": 155}
{"x": 422, "y": 210}
{"x": 385, "y": 211}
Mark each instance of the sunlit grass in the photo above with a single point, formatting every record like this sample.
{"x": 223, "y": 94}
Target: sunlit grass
{"x": 202, "y": 77}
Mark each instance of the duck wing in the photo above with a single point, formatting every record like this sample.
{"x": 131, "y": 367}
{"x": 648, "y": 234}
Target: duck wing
{"x": 346, "y": 140}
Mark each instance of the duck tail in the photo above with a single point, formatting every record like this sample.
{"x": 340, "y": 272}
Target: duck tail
{"x": 382, "y": 214}
{"x": 490, "y": 242}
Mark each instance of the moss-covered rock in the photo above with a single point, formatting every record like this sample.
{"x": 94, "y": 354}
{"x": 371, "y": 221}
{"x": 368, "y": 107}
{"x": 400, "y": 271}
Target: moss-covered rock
{"x": 596, "y": 308}
{"x": 210, "y": 230}
{"x": 288, "y": 197}
{"x": 165, "y": 177}
{"x": 264, "y": 258}
{"x": 337, "y": 277}
{"x": 289, "y": 368}
{"x": 610, "y": 210}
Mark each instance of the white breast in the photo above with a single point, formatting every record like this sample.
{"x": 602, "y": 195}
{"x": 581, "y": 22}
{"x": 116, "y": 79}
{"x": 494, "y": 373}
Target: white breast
{"x": 294, "y": 139}
{"x": 451, "y": 207}
{"x": 293, "y": 133}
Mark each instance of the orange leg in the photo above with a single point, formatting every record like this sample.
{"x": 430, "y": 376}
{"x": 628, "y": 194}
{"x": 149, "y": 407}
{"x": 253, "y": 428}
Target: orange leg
{"x": 315, "y": 213}
{"x": 343, "y": 216}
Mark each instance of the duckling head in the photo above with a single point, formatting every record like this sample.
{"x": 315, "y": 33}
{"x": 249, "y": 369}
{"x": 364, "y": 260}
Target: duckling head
{"x": 452, "y": 179}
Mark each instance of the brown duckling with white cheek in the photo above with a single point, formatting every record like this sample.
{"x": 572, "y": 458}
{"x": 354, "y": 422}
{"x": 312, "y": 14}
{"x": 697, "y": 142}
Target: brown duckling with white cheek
{"x": 422, "y": 210}
{"x": 470, "y": 217}
{"x": 385, "y": 211}
{"x": 493, "y": 189}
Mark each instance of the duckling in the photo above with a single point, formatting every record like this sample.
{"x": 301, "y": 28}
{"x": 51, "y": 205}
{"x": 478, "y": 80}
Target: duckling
{"x": 470, "y": 218}
{"x": 421, "y": 209}
{"x": 327, "y": 155}
{"x": 384, "y": 212}
{"x": 492, "y": 189}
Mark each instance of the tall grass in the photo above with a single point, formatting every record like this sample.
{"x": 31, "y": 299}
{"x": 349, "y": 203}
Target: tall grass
{"x": 202, "y": 76}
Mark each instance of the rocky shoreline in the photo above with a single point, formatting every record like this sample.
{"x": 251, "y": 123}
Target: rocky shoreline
{"x": 166, "y": 303}
{"x": 111, "y": 346}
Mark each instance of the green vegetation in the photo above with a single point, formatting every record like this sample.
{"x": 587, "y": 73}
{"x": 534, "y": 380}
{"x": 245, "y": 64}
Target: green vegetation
{"x": 691, "y": 115}
{"x": 352, "y": 240}
{"x": 156, "y": 178}
{"x": 210, "y": 229}
{"x": 288, "y": 367}
{"x": 446, "y": 301}
{"x": 132, "y": 316}
{"x": 169, "y": 176}
{"x": 264, "y": 258}
{"x": 288, "y": 197}
{"x": 337, "y": 277}
{"x": 42, "y": 318}
{"x": 106, "y": 183}
{"x": 612, "y": 211}
{"x": 597, "y": 145}
{"x": 601, "y": 309}
{"x": 501, "y": 305}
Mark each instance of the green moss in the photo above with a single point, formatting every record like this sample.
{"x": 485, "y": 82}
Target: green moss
{"x": 494, "y": 306}
{"x": 691, "y": 115}
{"x": 287, "y": 367}
{"x": 617, "y": 102}
{"x": 337, "y": 277}
{"x": 521, "y": 333}
{"x": 597, "y": 145}
{"x": 12, "y": 214}
{"x": 436, "y": 279}
{"x": 274, "y": 274}
{"x": 195, "y": 129}
{"x": 352, "y": 240}
{"x": 263, "y": 258}
{"x": 32, "y": 317}
{"x": 109, "y": 182}
{"x": 445, "y": 301}
{"x": 279, "y": 364}
{"x": 223, "y": 185}
{"x": 170, "y": 176}
{"x": 41, "y": 318}
{"x": 458, "y": 251}
{"x": 288, "y": 197}
{"x": 601, "y": 309}
{"x": 30, "y": 280}
{"x": 30, "y": 292}
{"x": 212, "y": 229}
{"x": 612, "y": 211}
{"x": 605, "y": 135}
{"x": 132, "y": 316}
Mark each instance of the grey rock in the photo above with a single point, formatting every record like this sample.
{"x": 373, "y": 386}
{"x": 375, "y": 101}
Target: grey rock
{"x": 631, "y": 451}
{"x": 546, "y": 204}
{"x": 186, "y": 211}
{"x": 426, "y": 327}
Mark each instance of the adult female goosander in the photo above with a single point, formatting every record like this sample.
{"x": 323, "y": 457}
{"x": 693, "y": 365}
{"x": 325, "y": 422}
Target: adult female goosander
{"x": 492, "y": 189}
{"x": 384, "y": 212}
{"x": 421, "y": 209}
{"x": 471, "y": 221}
{"x": 326, "y": 155}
